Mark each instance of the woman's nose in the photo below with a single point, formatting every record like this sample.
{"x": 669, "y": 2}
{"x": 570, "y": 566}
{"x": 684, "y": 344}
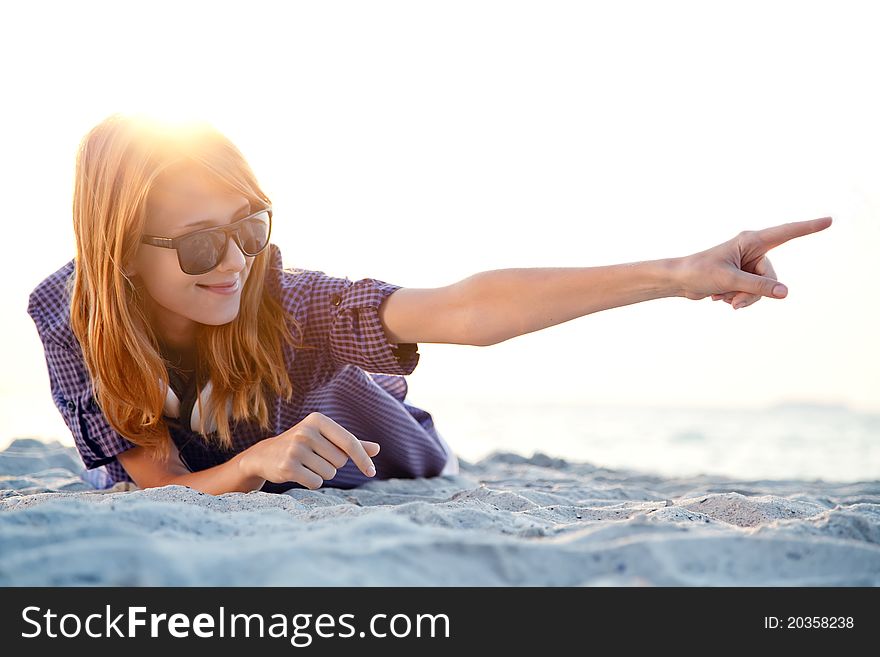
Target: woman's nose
{"x": 233, "y": 259}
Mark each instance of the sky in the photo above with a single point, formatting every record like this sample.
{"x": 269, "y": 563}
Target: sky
{"x": 420, "y": 143}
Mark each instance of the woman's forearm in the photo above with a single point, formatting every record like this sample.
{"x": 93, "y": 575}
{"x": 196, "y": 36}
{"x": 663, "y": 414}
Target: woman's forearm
{"x": 506, "y": 303}
{"x": 228, "y": 477}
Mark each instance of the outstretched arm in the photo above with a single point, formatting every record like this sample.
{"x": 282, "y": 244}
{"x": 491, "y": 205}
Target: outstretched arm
{"x": 510, "y": 302}
{"x": 493, "y": 306}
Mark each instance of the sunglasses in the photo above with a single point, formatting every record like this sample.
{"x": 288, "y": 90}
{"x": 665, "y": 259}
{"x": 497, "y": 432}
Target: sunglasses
{"x": 202, "y": 250}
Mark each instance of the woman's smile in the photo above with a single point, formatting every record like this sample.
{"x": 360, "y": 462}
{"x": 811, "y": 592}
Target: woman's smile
{"x": 227, "y": 290}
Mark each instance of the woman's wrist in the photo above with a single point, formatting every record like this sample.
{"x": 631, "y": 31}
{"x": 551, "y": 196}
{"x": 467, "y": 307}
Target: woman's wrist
{"x": 673, "y": 273}
{"x": 247, "y": 467}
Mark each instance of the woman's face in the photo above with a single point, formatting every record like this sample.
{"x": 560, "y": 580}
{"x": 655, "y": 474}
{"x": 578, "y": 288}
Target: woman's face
{"x": 178, "y": 301}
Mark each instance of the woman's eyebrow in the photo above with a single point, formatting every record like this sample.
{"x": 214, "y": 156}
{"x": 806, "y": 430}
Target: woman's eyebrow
{"x": 239, "y": 214}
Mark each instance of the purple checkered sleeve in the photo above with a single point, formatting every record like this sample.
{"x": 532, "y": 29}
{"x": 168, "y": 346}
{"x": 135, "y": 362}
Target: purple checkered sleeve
{"x": 342, "y": 316}
{"x": 96, "y": 440}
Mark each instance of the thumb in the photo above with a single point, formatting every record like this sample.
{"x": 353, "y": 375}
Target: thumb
{"x": 370, "y": 447}
{"x": 761, "y": 285}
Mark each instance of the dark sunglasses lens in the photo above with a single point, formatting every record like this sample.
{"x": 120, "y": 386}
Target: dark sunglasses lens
{"x": 201, "y": 253}
{"x": 254, "y": 234}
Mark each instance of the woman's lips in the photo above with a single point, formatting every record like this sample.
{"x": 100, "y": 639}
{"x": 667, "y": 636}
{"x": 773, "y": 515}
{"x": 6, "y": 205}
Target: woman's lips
{"x": 222, "y": 289}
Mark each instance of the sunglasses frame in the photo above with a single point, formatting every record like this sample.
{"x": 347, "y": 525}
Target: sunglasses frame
{"x": 231, "y": 230}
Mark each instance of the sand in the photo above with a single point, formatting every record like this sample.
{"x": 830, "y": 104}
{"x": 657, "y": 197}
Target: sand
{"x": 505, "y": 520}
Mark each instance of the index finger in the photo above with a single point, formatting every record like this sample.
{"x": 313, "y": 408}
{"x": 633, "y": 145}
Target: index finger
{"x": 347, "y": 442}
{"x": 776, "y": 235}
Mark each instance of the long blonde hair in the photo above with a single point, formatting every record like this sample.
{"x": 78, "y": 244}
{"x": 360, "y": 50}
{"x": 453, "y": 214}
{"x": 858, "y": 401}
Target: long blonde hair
{"x": 117, "y": 164}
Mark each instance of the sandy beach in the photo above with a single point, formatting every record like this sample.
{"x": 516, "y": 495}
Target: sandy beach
{"x": 506, "y": 520}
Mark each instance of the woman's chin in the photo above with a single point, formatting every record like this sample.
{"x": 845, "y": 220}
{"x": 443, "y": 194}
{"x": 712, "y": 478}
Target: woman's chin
{"x": 216, "y": 316}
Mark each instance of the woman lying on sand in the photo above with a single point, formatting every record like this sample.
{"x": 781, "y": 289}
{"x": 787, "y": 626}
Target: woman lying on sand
{"x": 165, "y": 339}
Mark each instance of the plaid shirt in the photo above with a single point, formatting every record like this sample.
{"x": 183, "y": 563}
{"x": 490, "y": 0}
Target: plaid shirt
{"x": 355, "y": 378}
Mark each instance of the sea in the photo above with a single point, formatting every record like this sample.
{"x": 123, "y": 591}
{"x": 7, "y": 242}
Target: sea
{"x": 785, "y": 441}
